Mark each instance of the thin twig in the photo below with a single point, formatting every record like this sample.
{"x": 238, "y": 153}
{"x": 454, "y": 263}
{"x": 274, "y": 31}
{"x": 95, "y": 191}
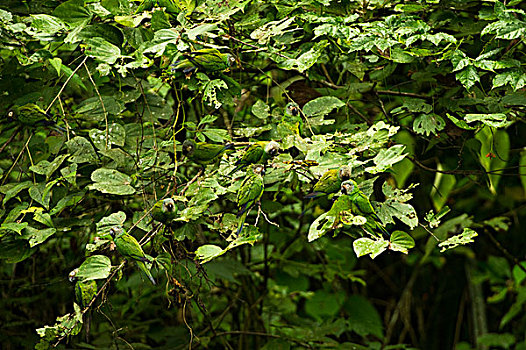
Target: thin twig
{"x": 66, "y": 83}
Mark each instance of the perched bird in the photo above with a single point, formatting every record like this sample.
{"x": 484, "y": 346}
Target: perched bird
{"x": 30, "y": 115}
{"x": 130, "y": 249}
{"x": 164, "y": 210}
{"x": 204, "y": 153}
{"x": 208, "y": 60}
{"x": 291, "y": 123}
{"x": 85, "y": 291}
{"x": 362, "y": 206}
{"x": 258, "y": 152}
{"x": 249, "y": 193}
{"x": 330, "y": 182}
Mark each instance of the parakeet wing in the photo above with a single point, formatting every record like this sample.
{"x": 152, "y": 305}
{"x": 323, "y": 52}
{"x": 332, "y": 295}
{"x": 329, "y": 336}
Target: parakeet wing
{"x": 128, "y": 246}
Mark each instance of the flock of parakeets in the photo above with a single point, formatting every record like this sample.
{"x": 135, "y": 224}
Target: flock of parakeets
{"x": 253, "y": 160}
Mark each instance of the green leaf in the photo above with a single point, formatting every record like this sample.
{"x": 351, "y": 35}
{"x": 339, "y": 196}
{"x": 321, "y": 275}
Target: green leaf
{"x": 73, "y": 12}
{"x": 386, "y": 158}
{"x": 81, "y": 150}
{"x": 518, "y": 274}
{"x": 468, "y": 77}
{"x": 94, "y": 267}
{"x": 494, "y": 153}
{"x": 442, "y": 187}
{"x": 132, "y": 21}
{"x": 322, "y": 106}
{"x": 305, "y": 60}
{"x": 107, "y": 222}
{"x": 200, "y": 30}
{"x": 428, "y": 124}
{"x": 111, "y": 181}
{"x": 319, "y": 227}
{"x": 36, "y": 236}
{"x": 102, "y": 50}
{"x": 462, "y": 239}
{"x": 208, "y": 252}
{"x": 522, "y": 169}
{"x": 400, "y": 241}
{"x": 366, "y": 246}
{"x": 11, "y": 190}
{"x": 503, "y": 340}
{"x": 363, "y": 318}
{"x": 260, "y": 109}
{"x": 116, "y": 135}
{"x": 13, "y": 227}
{"x": 496, "y": 120}
{"x": 323, "y": 304}
{"x": 46, "y": 168}
{"x": 47, "y": 24}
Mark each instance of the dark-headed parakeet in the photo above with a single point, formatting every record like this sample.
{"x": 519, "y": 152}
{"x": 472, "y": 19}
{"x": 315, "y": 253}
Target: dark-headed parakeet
{"x": 249, "y": 193}
{"x": 30, "y": 115}
{"x": 258, "y": 152}
{"x": 164, "y": 210}
{"x": 292, "y": 122}
{"x": 330, "y": 182}
{"x": 362, "y": 206}
{"x": 85, "y": 291}
{"x": 130, "y": 249}
{"x": 204, "y": 153}
{"x": 208, "y": 60}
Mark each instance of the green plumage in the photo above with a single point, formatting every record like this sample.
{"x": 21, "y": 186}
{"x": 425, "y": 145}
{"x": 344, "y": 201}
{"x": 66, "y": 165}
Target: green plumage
{"x": 204, "y": 153}
{"x": 249, "y": 193}
{"x": 85, "y": 292}
{"x": 292, "y": 122}
{"x": 130, "y": 249}
{"x": 363, "y": 207}
{"x": 208, "y": 60}
{"x": 330, "y": 182}
{"x": 164, "y": 211}
{"x": 258, "y": 152}
{"x": 30, "y": 115}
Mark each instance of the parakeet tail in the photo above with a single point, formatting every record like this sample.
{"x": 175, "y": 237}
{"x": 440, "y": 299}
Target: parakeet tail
{"x": 314, "y": 195}
{"x": 144, "y": 269}
{"x": 241, "y": 224}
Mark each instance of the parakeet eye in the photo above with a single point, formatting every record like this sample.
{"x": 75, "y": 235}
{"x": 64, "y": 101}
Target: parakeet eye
{"x": 231, "y": 59}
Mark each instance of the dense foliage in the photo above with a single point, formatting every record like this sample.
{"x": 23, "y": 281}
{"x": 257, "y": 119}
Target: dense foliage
{"x": 135, "y": 141}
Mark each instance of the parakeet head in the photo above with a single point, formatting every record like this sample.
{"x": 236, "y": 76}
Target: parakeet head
{"x": 168, "y": 205}
{"x": 73, "y": 275}
{"x": 272, "y": 148}
{"x": 116, "y": 231}
{"x": 349, "y": 187}
{"x": 188, "y": 147}
{"x": 344, "y": 173}
{"x": 292, "y": 108}
{"x": 258, "y": 169}
{"x": 230, "y": 60}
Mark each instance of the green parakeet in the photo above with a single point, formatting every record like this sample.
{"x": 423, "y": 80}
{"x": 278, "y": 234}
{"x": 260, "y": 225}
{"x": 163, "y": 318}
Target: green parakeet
{"x": 330, "y": 182}
{"x": 130, "y": 249}
{"x": 258, "y": 152}
{"x": 362, "y": 206}
{"x": 204, "y": 153}
{"x": 164, "y": 211}
{"x": 249, "y": 193}
{"x": 208, "y": 60}
{"x": 85, "y": 291}
{"x": 30, "y": 115}
{"x": 291, "y": 123}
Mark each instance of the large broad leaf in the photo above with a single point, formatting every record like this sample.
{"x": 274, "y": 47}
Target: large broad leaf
{"x": 208, "y": 252}
{"x": 94, "y": 267}
{"x": 107, "y": 222}
{"x": 111, "y": 181}
{"x": 103, "y": 139}
{"x": 322, "y": 106}
{"x": 366, "y": 246}
{"x": 81, "y": 150}
{"x": 73, "y": 12}
{"x": 363, "y": 318}
{"x": 36, "y": 236}
{"x": 48, "y": 168}
{"x": 400, "y": 241}
{"x": 103, "y": 50}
